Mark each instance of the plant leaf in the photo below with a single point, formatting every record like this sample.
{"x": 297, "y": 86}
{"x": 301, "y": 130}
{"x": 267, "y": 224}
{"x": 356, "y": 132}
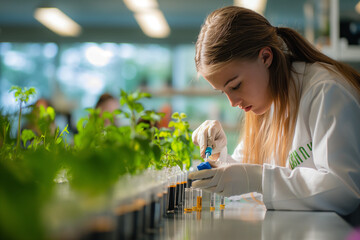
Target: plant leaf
{"x": 27, "y": 135}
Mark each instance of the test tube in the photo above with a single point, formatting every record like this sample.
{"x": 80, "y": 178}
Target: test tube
{"x": 199, "y": 200}
{"x": 182, "y": 189}
{"x": 189, "y": 181}
{"x": 212, "y": 201}
{"x": 188, "y": 200}
{"x": 165, "y": 197}
{"x": 178, "y": 192}
{"x": 184, "y": 181}
{"x": 222, "y": 202}
{"x": 172, "y": 194}
{"x": 194, "y": 199}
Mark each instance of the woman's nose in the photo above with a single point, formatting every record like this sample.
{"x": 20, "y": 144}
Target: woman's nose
{"x": 232, "y": 101}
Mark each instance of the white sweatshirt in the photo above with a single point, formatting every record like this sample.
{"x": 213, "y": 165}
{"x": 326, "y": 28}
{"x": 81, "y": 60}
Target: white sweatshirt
{"x": 323, "y": 168}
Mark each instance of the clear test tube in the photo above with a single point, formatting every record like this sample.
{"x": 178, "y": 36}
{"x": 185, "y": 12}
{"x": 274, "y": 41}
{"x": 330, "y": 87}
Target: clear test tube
{"x": 178, "y": 192}
{"x": 181, "y": 194}
{"x": 165, "y": 197}
{"x": 184, "y": 181}
{"x": 194, "y": 199}
{"x": 199, "y": 200}
{"x": 171, "y": 194}
{"x": 188, "y": 200}
{"x": 222, "y": 202}
{"x": 212, "y": 201}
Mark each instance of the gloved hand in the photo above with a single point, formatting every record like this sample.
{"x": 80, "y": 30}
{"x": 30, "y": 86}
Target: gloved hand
{"x": 229, "y": 180}
{"x": 210, "y": 134}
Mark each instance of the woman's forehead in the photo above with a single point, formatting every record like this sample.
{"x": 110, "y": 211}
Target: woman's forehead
{"x": 223, "y": 69}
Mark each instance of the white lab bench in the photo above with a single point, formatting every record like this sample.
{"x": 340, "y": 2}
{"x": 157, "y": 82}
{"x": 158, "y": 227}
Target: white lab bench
{"x": 251, "y": 220}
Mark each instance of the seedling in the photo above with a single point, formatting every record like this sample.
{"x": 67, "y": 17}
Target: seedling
{"x": 22, "y": 95}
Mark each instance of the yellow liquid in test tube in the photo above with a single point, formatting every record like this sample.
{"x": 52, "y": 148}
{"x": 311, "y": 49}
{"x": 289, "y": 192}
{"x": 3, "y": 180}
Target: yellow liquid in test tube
{"x": 188, "y": 210}
{"x": 199, "y": 200}
{"x": 188, "y": 200}
{"x": 199, "y": 203}
{"x": 212, "y": 201}
{"x": 222, "y": 203}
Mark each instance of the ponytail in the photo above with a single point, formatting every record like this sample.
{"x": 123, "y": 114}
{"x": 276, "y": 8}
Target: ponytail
{"x": 301, "y": 50}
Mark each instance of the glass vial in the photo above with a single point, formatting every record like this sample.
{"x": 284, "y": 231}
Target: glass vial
{"x": 222, "y": 202}
{"x": 199, "y": 200}
{"x": 194, "y": 199}
{"x": 178, "y": 191}
{"x": 212, "y": 201}
{"x": 171, "y": 194}
{"x": 183, "y": 186}
{"x": 188, "y": 200}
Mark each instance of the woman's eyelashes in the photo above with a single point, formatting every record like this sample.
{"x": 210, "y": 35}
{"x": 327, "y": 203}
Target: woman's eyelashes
{"x": 235, "y": 87}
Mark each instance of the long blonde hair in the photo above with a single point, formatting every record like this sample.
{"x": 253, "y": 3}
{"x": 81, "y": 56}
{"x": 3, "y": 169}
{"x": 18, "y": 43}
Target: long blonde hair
{"x": 233, "y": 33}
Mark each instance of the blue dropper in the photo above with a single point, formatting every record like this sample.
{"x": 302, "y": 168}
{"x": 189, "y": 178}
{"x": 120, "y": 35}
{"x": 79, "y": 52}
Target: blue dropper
{"x": 206, "y": 164}
{"x": 208, "y": 152}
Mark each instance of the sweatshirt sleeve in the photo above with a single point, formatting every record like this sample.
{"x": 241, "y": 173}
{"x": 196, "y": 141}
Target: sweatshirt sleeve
{"x": 332, "y": 117}
{"x": 237, "y": 156}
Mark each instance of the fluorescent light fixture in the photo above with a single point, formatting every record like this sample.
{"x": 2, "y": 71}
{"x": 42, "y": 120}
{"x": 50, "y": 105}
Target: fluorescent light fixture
{"x": 57, "y": 21}
{"x": 357, "y": 7}
{"x": 255, "y": 5}
{"x": 153, "y": 23}
{"x": 141, "y": 5}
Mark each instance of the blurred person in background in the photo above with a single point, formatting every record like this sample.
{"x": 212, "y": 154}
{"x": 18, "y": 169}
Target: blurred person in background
{"x": 108, "y": 103}
{"x": 300, "y": 142}
{"x": 167, "y": 110}
{"x": 41, "y": 120}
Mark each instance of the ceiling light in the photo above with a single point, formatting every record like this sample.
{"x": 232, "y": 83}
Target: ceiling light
{"x": 153, "y": 23}
{"x": 357, "y": 7}
{"x": 140, "y": 5}
{"x": 255, "y": 5}
{"x": 57, "y": 21}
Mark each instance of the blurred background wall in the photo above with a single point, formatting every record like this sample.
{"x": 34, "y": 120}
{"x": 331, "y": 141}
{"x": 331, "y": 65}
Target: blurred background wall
{"x": 111, "y": 48}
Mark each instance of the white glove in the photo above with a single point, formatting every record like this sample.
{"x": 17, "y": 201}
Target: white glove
{"x": 229, "y": 180}
{"x": 210, "y": 134}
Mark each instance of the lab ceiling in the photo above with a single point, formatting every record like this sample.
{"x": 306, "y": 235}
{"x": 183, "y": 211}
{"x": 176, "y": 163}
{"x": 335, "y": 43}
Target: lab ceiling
{"x": 110, "y": 20}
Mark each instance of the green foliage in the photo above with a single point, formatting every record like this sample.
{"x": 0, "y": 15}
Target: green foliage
{"x": 178, "y": 148}
{"x": 26, "y": 184}
{"x": 136, "y": 108}
{"x": 126, "y": 149}
{"x": 19, "y": 207}
{"x": 27, "y": 135}
{"x": 27, "y": 174}
{"x": 5, "y": 129}
{"x": 100, "y": 154}
{"x": 22, "y": 94}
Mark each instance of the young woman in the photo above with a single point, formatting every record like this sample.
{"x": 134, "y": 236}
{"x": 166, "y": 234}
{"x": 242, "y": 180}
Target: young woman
{"x": 300, "y": 141}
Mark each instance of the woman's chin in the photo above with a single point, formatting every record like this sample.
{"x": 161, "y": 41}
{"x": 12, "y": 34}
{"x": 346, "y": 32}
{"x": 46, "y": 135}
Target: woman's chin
{"x": 260, "y": 111}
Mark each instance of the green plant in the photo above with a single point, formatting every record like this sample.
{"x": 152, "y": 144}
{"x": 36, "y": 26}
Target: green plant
{"x": 116, "y": 150}
{"x": 22, "y": 95}
{"x": 182, "y": 144}
{"x": 93, "y": 164}
{"x": 177, "y": 146}
{"x": 135, "y": 107}
{"x": 4, "y": 129}
{"x": 27, "y": 174}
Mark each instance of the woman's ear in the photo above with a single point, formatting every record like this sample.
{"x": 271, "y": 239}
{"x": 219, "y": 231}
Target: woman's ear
{"x": 266, "y": 56}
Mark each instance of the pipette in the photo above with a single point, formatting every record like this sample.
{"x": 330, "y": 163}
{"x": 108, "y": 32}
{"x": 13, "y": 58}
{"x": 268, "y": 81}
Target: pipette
{"x": 206, "y": 164}
{"x": 208, "y": 152}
